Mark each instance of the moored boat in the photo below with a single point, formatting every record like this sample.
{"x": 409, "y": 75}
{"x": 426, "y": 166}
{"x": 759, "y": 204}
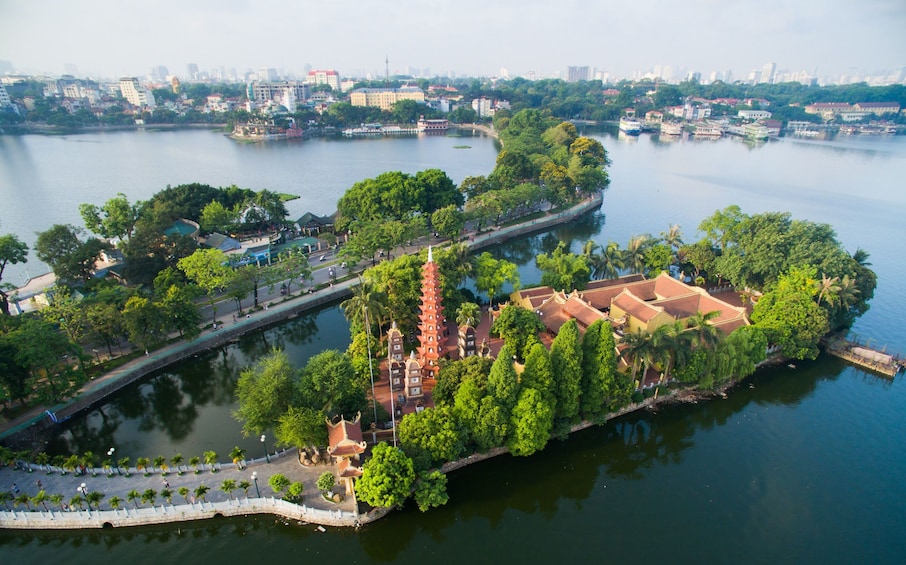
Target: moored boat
{"x": 631, "y": 126}
{"x": 671, "y": 128}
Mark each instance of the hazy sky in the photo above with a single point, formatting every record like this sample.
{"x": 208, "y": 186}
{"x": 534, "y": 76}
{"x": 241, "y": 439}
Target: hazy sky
{"x": 468, "y": 37}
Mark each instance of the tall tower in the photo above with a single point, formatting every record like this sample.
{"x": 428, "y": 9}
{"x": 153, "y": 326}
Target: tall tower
{"x": 431, "y": 320}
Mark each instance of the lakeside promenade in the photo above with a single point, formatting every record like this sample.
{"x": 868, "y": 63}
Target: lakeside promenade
{"x": 314, "y": 510}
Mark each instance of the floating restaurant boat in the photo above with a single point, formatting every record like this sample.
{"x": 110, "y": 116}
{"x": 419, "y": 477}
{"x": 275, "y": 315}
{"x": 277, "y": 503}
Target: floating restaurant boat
{"x": 671, "y": 128}
{"x": 264, "y": 130}
{"x": 432, "y": 125}
{"x": 631, "y": 126}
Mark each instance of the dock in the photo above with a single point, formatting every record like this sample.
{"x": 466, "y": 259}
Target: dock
{"x": 864, "y": 356}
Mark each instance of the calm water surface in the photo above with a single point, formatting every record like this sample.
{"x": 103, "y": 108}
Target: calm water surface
{"x": 806, "y": 466}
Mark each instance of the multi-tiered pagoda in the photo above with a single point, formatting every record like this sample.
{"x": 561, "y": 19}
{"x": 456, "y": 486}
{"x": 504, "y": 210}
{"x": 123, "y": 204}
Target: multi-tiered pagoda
{"x": 431, "y": 320}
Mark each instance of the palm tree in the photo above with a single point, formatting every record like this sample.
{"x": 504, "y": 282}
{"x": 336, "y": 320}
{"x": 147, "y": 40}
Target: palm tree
{"x": 77, "y": 501}
{"x": 705, "y": 333}
{"x": 860, "y": 256}
{"x": 828, "y": 288}
{"x": 365, "y": 306}
{"x": 88, "y": 460}
{"x": 56, "y": 499}
{"x": 176, "y": 461}
{"x": 40, "y": 498}
{"x": 167, "y": 494}
{"x": 71, "y": 463}
{"x": 184, "y": 492}
{"x": 846, "y": 296}
{"x": 6, "y": 497}
{"x": 43, "y": 459}
{"x": 94, "y": 497}
{"x": 634, "y": 255}
{"x": 201, "y": 491}
{"x": 210, "y": 458}
{"x": 194, "y": 461}
{"x": 124, "y": 463}
{"x": 133, "y": 496}
{"x": 673, "y": 237}
{"x": 159, "y": 462}
{"x": 149, "y": 496}
{"x": 245, "y": 486}
{"x": 228, "y": 486}
{"x": 639, "y": 350}
{"x": 22, "y": 498}
{"x": 468, "y": 314}
{"x": 671, "y": 343}
{"x": 238, "y": 456}
{"x": 115, "y": 502}
{"x": 141, "y": 464}
{"x": 612, "y": 261}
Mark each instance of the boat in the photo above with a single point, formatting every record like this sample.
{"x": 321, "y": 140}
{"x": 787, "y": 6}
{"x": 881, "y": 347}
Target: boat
{"x": 671, "y": 128}
{"x": 631, "y": 126}
{"x": 264, "y": 130}
{"x": 364, "y": 129}
{"x": 432, "y": 125}
{"x": 707, "y": 129}
{"x": 755, "y": 131}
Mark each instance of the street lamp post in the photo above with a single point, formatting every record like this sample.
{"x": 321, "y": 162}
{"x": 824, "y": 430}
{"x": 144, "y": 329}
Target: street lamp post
{"x": 98, "y": 355}
{"x": 110, "y": 453}
{"x": 255, "y": 480}
{"x": 266, "y": 456}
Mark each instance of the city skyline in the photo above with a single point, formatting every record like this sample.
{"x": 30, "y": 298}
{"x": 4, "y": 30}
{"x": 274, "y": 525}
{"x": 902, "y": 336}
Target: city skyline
{"x": 465, "y": 38}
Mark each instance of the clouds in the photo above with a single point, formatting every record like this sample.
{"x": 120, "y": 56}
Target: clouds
{"x": 465, "y": 36}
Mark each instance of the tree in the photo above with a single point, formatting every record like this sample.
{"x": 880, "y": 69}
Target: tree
{"x": 538, "y": 373}
{"x": 448, "y": 221}
{"x": 228, "y": 486}
{"x": 517, "y": 326}
{"x": 453, "y": 374}
{"x": 12, "y": 252}
{"x": 365, "y": 303}
{"x": 245, "y": 486}
{"x": 210, "y": 458}
{"x": 143, "y": 321}
{"x": 237, "y": 455}
{"x": 264, "y": 392}
{"x": 600, "y": 389}
{"x": 326, "y": 481}
{"x": 40, "y": 498}
{"x": 183, "y": 492}
{"x": 329, "y": 383}
{"x": 301, "y": 428}
{"x": 292, "y": 263}
{"x": 115, "y": 219}
{"x": 790, "y": 316}
{"x": 433, "y": 431}
{"x": 201, "y": 491}
{"x": 176, "y": 461}
{"x": 294, "y": 491}
{"x": 114, "y": 501}
{"x": 721, "y": 225}
{"x": 208, "y": 269}
{"x": 94, "y": 497}
{"x": 634, "y": 254}
{"x": 566, "y": 363}
{"x": 468, "y": 314}
{"x": 134, "y": 496}
{"x": 386, "y": 478}
{"x": 167, "y": 494}
{"x": 532, "y": 421}
{"x": 278, "y": 482}
{"x": 503, "y": 384}
{"x": 179, "y": 311}
{"x": 563, "y": 271}
{"x": 431, "y": 490}
{"x": 215, "y": 217}
{"x": 71, "y": 259}
{"x": 491, "y": 274}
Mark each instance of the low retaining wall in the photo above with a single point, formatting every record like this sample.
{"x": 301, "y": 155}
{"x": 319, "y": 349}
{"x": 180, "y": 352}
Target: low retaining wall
{"x": 83, "y": 519}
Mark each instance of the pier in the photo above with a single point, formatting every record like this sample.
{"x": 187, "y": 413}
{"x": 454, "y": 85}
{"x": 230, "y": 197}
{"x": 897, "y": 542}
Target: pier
{"x": 864, "y": 356}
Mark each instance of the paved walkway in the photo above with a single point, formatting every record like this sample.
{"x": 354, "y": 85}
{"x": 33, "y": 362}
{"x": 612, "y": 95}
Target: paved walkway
{"x": 119, "y": 485}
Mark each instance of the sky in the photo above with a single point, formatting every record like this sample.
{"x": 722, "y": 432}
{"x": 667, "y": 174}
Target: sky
{"x": 467, "y": 37}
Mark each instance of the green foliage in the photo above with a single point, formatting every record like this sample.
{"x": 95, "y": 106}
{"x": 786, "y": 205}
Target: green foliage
{"x": 431, "y": 490}
{"x": 434, "y": 431}
{"x": 503, "y": 384}
{"x": 70, "y": 258}
{"x": 301, "y": 428}
{"x": 538, "y": 373}
{"x": 789, "y": 315}
{"x": 600, "y": 390}
{"x": 400, "y": 281}
{"x": 491, "y": 274}
{"x": 326, "y": 481}
{"x": 518, "y": 327}
{"x": 566, "y": 362}
{"x": 278, "y": 482}
{"x": 264, "y": 392}
{"x": 12, "y": 252}
{"x": 294, "y": 491}
{"x": 386, "y": 478}
{"x": 562, "y": 270}
{"x": 532, "y": 421}
{"x": 454, "y": 373}
{"x": 116, "y": 219}
{"x": 328, "y": 383}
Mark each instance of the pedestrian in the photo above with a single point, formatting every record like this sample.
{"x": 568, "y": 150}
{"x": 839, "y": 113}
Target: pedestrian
{"x": 166, "y": 483}
{"x": 40, "y": 486}
{"x": 15, "y": 489}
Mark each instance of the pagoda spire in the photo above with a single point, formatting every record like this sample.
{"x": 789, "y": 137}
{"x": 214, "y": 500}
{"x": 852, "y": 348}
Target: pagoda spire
{"x": 431, "y": 320}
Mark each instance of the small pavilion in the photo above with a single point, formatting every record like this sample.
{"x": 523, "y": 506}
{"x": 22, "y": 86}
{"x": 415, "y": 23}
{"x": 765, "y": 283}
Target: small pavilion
{"x": 345, "y": 445}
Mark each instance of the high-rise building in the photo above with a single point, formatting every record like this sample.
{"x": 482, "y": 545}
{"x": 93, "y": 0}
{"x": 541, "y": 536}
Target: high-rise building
{"x": 4, "y": 97}
{"x": 159, "y": 73}
{"x": 575, "y": 74}
{"x": 767, "y": 73}
{"x": 135, "y": 93}
{"x": 329, "y": 77}
{"x": 192, "y": 71}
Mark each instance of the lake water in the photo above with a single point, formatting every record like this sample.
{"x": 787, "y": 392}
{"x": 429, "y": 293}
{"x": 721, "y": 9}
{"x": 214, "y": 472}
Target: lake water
{"x": 806, "y": 466}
